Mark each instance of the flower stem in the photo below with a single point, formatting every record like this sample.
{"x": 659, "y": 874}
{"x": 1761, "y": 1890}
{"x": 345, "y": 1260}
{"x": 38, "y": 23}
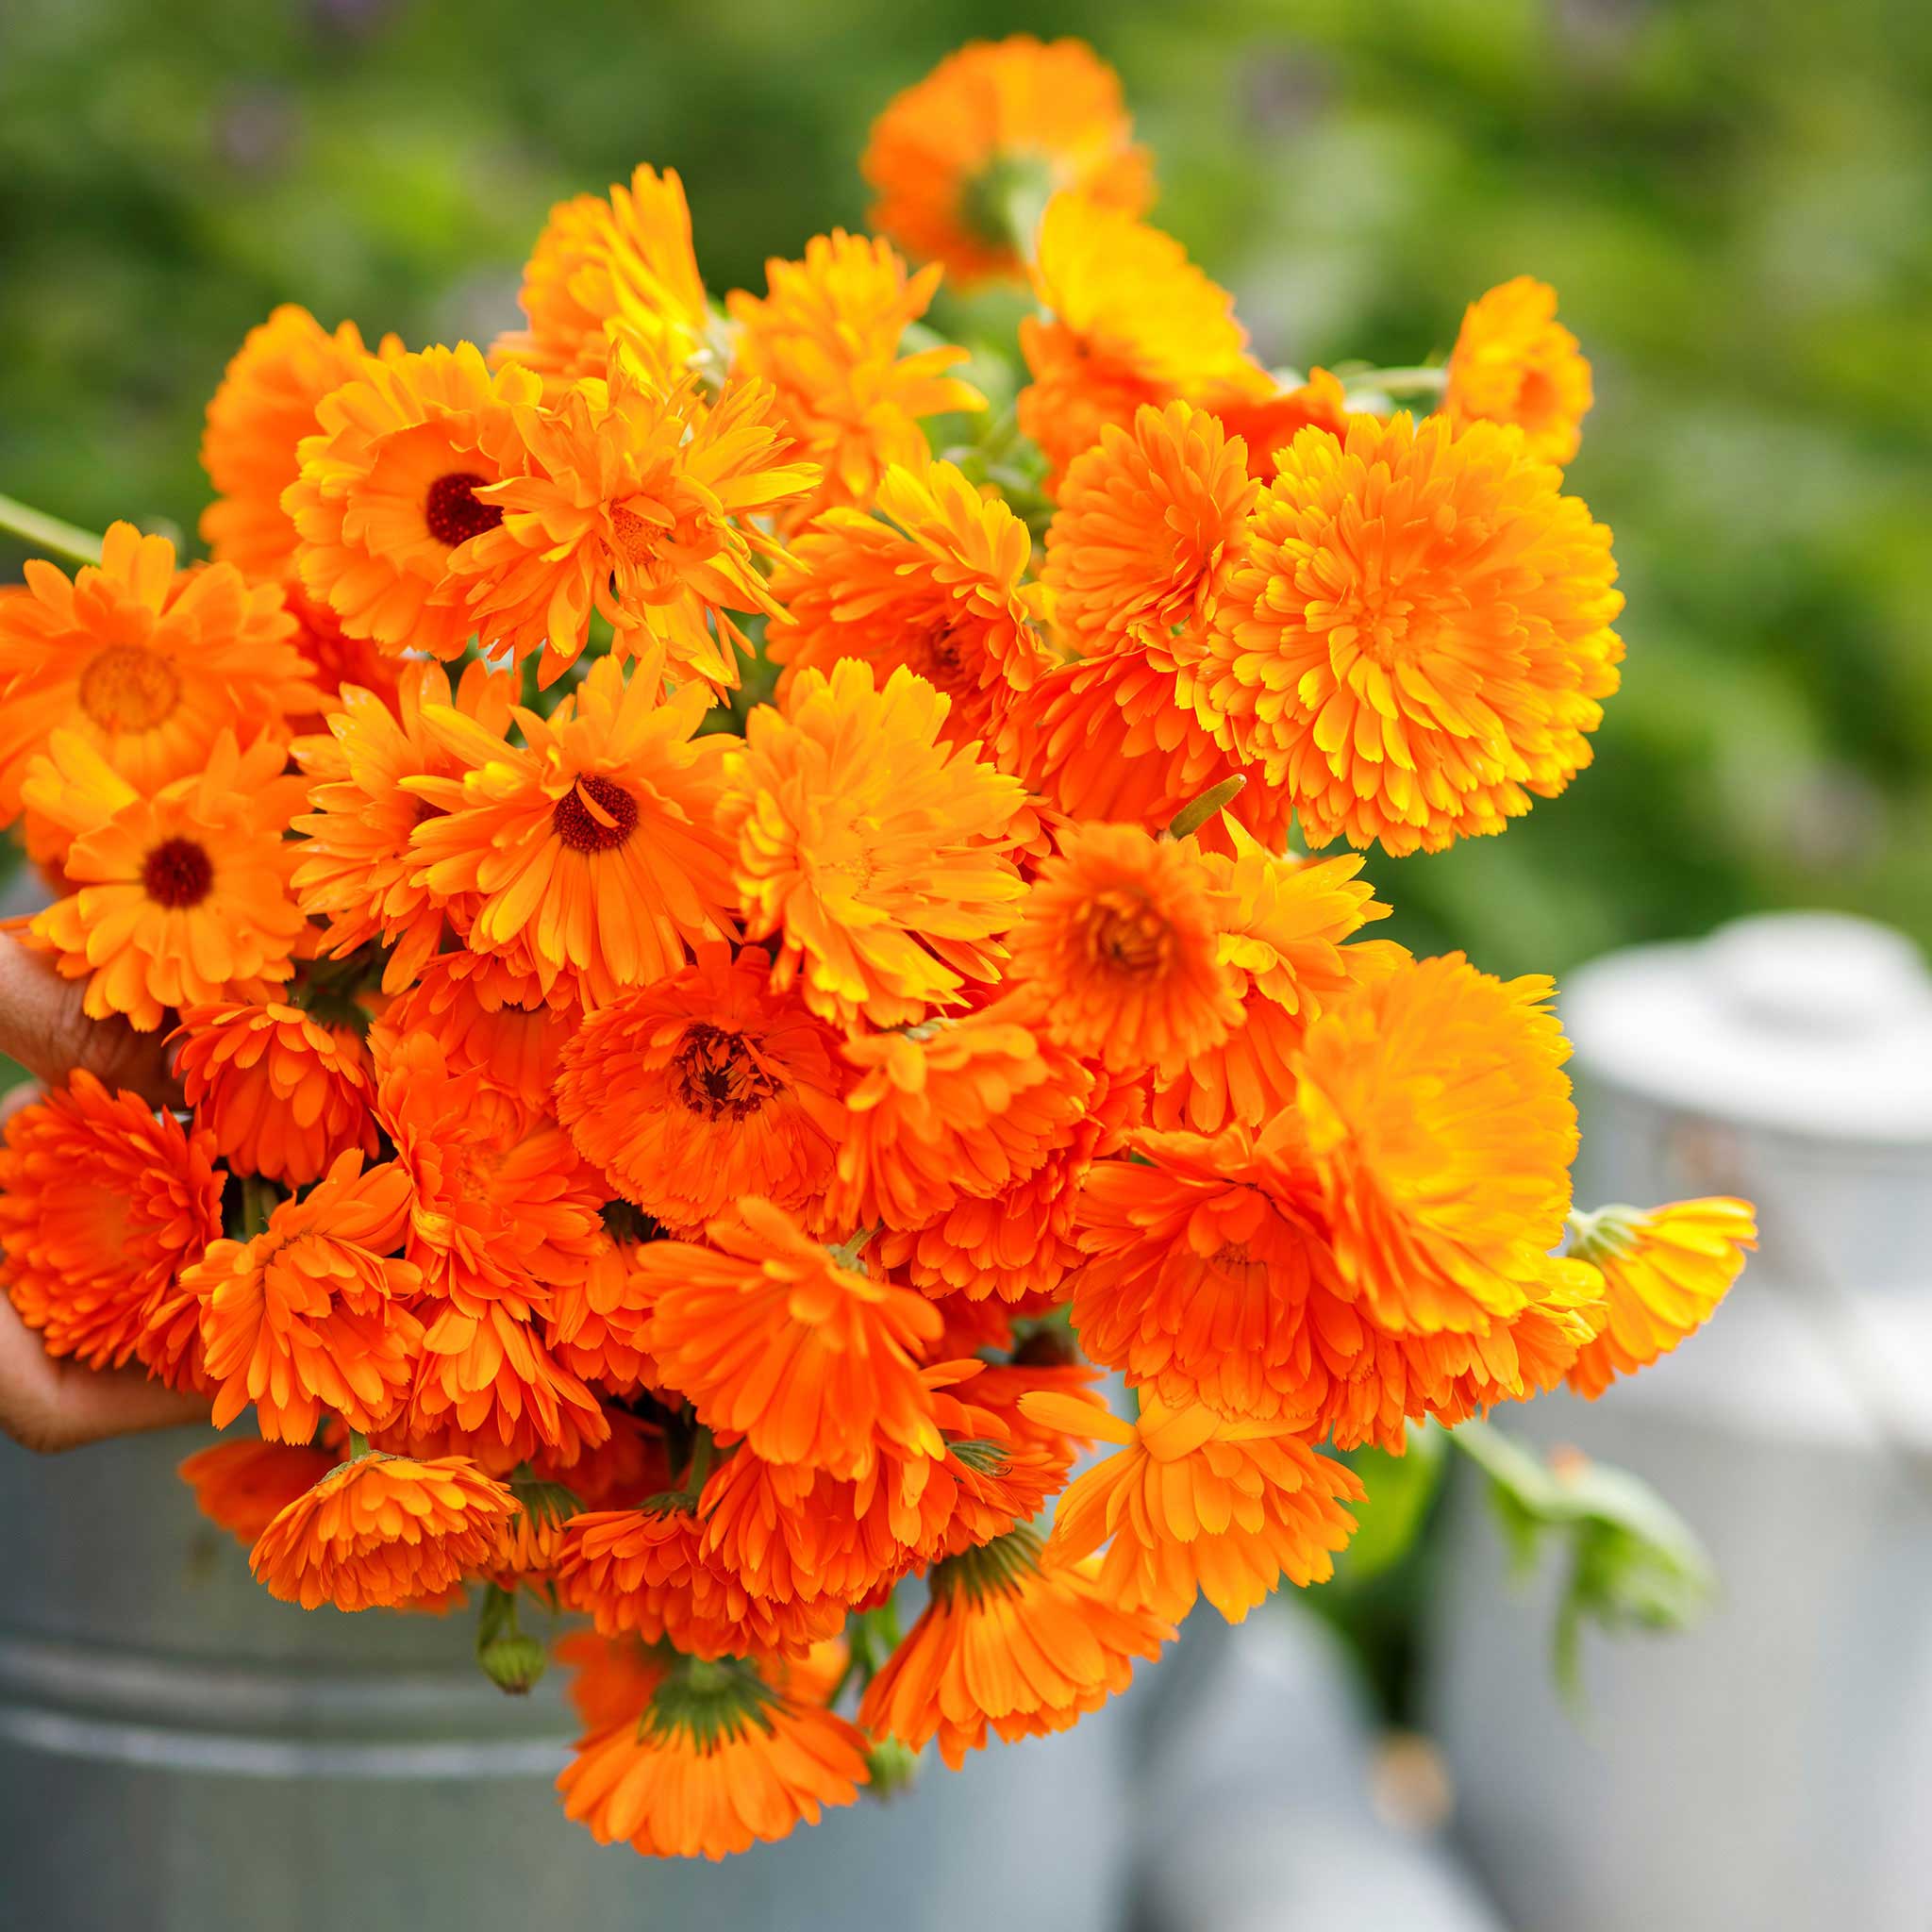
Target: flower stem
{"x": 1399, "y": 382}
{"x": 48, "y": 534}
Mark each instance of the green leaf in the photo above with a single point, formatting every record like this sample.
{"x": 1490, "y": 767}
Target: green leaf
{"x": 1400, "y": 1487}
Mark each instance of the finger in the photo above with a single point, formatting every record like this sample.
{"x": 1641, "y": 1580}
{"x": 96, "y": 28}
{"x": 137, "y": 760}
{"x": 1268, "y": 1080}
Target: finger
{"x": 44, "y": 1026}
{"x": 49, "y": 1406}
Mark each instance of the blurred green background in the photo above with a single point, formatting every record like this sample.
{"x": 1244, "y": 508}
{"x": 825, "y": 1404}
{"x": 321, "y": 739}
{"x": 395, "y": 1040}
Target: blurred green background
{"x": 1735, "y": 202}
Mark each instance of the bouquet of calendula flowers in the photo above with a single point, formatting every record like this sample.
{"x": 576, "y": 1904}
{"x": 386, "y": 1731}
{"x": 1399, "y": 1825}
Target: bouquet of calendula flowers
{"x": 730, "y": 943}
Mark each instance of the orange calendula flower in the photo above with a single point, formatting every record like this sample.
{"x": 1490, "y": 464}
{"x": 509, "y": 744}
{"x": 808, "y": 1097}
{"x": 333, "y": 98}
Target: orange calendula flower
{"x": 616, "y": 267}
{"x": 1013, "y": 1642}
{"x": 335, "y": 659}
{"x": 1149, "y": 526}
{"x": 309, "y": 1315}
{"x": 635, "y": 501}
{"x": 1664, "y": 1271}
{"x": 381, "y": 1530}
{"x": 1267, "y": 417}
{"x": 1194, "y": 1504}
{"x": 595, "y": 846}
{"x": 712, "y": 1761}
{"x": 387, "y": 493}
{"x": 964, "y": 162}
{"x": 243, "y": 1486}
{"x": 256, "y": 422}
{"x": 181, "y": 897}
{"x": 1418, "y": 637}
{"x": 282, "y": 1094}
{"x": 1515, "y": 362}
{"x": 704, "y": 1088}
{"x": 103, "y": 1201}
{"x": 147, "y": 664}
{"x": 948, "y": 1109}
{"x": 598, "y": 1326}
{"x": 774, "y": 1336}
{"x": 875, "y": 852}
{"x": 826, "y": 335}
{"x": 356, "y": 869}
{"x": 1133, "y": 321}
{"x": 1119, "y": 944}
{"x": 930, "y": 578}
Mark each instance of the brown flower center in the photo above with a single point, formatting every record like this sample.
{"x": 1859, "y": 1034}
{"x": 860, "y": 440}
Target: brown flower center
{"x": 177, "y": 873}
{"x": 128, "y": 688}
{"x": 1127, "y": 934}
{"x": 452, "y": 511}
{"x": 715, "y": 1073}
{"x": 596, "y": 815}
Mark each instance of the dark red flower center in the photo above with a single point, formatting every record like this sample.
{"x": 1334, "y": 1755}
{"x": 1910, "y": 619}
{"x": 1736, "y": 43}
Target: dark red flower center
{"x": 452, "y": 511}
{"x": 596, "y": 815}
{"x": 716, "y": 1073}
{"x": 177, "y": 873}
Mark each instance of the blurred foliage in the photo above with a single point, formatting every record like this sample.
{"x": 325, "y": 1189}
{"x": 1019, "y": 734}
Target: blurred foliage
{"x": 1735, "y": 201}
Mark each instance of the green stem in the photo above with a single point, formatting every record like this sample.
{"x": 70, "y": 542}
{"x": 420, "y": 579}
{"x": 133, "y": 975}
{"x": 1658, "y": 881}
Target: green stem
{"x": 258, "y": 1200}
{"x": 700, "y": 1465}
{"x": 1397, "y": 382}
{"x": 49, "y": 534}
{"x": 359, "y": 1446}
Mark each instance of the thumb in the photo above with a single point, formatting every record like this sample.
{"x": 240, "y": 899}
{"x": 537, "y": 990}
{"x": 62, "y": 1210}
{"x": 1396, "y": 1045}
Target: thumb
{"x": 44, "y": 1026}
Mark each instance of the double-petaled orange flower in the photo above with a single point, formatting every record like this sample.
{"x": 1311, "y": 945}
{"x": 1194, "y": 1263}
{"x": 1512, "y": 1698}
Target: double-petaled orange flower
{"x": 1515, "y": 362}
{"x": 243, "y": 1484}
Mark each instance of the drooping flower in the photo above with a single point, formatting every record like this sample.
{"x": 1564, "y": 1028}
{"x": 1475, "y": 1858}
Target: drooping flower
{"x": 635, "y": 501}
{"x": 181, "y": 897}
{"x": 1011, "y": 1642}
{"x": 826, "y": 335}
{"x": 1418, "y": 637}
{"x": 712, "y": 1761}
{"x": 930, "y": 578}
{"x": 1120, "y": 945}
{"x": 282, "y": 1094}
{"x": 1664, "y": 1271}
{"x": 381, "y": 1530}
{"x": 311, "y": 1313}
{"x": 876, "y": 853}
{"x": 771, "y": 1336}
{"x": 611, "y": 267}
{"x": 1132, "y": 321}
{"x": 706, "y": 1087}
{"x": 1515, "y": 362}
{"x": 146, "y": 663}
{"x": 596, "y": 847}
{"x": 256, "y": 420}
{"x": 387, "y": 493}
{"x": 102, "y": 1203}
{"x": 243, "y": 1484}
{"x": 964, "y": 160}
{"x": 356, "y": 868}
{"x": 1193, "y": 1503}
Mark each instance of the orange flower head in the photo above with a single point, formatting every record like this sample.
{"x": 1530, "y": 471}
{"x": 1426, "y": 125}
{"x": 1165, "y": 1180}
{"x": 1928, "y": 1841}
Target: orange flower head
{"x": 1418, "y": 637}
{"x": 875, "y": 852}
{"x": 611, "y": 1678}
{"x": 335, "y": 660}
{"x": 1133, "y": 321}
{"x": 102, "y": 1205}
{"x": 1194, "y": 1504}
{"x": 387, "y": 494}
{"x": 1149, "y": 526}
{"x": 634, "y": 502}
{"x": 256, "y": 423}
{"x": 598, "y": 1327}
{"x": 948, "y": 1109}
{"x": 615, "y": 268}
{"x": 1664, "y": 1271}
{"x": 964, "y": 161}
{"x": 773, "y": 1336}
{"x": 714, "y": 1761}
{"x": 596, "y": 847}
{"x": 826, "y": 335}
{"x": 704, "y": 1088}
{"x": 311, "y": 1314}
{"x": 1120, "y": 945}
{"x": 244, "y": 1485}
{"x": 1010, "y": 1642}
{"x": 146, "y": 663}
{"x": 282, "y": 1094}
{"x": 181, "y": 896}
{"x": 1515, "y": 362}
{"x": 930, "y": 578}
{"x": 1267, "y": 417}
{"x": 356, "y": 867}
{"x": 382, "y": 1530}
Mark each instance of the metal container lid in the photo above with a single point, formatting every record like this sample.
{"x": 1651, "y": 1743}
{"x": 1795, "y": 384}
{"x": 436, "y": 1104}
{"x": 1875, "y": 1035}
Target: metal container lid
{"x": 1813, "y": 1023}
